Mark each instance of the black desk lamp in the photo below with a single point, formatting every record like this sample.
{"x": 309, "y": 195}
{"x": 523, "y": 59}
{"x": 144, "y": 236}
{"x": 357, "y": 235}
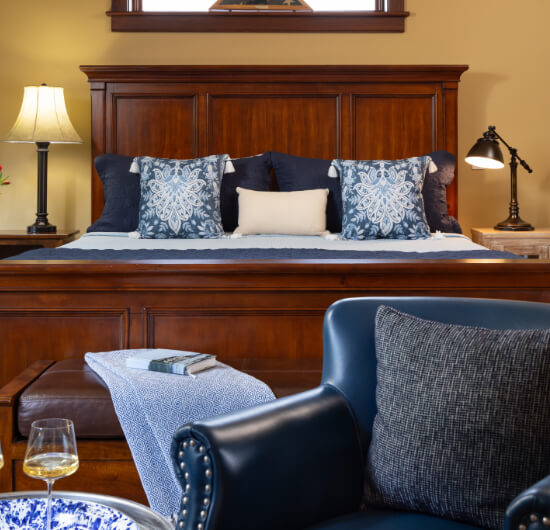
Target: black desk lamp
{"x": 486, "y": 154}
{"x": 43, "y": 120}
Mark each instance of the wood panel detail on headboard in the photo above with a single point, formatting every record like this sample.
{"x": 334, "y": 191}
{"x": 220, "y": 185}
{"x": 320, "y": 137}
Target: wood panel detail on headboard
{"x": 360, "y": 112}
{"x": 296, "y": 123}
{"x": 166, "y": 118}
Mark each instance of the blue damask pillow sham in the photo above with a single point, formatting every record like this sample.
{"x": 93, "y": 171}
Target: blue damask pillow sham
{"x": 180, "y": 198}
{"x": 383, "y": 198}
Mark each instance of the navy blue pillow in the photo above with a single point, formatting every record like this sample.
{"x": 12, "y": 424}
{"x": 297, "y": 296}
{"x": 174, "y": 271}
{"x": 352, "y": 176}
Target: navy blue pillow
{"x": 121, "y": 191}
{"x": 252, "y": 173}
{"x": 435, "y": 193}
{"x": 298, "y": 173}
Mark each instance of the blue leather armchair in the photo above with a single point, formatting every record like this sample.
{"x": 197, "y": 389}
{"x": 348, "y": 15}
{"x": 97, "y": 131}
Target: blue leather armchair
{"x": 298, "y": 462}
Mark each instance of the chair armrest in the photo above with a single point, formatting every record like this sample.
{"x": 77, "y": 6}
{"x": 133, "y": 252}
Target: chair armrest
{"x": 286, "y": 464}
{"x": 531, "y": 508}
{"x": 10, "y": 391}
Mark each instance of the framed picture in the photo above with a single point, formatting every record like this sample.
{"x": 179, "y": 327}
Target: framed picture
{"x": 252, "y": 5}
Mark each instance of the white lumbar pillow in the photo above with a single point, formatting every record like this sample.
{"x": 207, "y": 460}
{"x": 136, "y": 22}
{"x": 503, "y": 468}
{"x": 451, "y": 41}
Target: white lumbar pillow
{"x": 300, "y": 213}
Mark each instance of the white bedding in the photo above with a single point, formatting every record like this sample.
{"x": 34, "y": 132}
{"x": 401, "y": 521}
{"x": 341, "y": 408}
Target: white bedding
{"x": 121, "y": 241}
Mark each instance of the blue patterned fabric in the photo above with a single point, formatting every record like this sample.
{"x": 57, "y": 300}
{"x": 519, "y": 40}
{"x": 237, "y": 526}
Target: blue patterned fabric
{"x": 383, "y": 198}
{"x": 180, "y": 198}
{"x": 152, "y": 405}
{"x": 252, "y": 253}
{"x": 462, "y": 421}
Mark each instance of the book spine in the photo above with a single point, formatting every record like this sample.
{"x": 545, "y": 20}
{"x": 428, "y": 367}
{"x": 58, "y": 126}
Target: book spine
{"x": 167, "y": 368}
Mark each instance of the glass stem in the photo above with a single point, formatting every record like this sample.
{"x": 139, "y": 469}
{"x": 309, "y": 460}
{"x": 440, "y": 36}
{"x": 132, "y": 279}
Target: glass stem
{"x": 49, "y": 483}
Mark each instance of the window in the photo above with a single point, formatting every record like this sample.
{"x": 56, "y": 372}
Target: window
{"x": 193, "y": 15}
{"x": 204, "y": 5}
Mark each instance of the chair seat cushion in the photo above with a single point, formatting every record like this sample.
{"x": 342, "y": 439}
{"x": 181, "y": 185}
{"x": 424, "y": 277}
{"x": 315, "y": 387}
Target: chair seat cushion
{"x": 70, "y": 389}
{"x": 391, "y": 520}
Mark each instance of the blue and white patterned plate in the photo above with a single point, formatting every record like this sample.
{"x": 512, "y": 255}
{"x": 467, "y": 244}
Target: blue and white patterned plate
{"x": 30, "y": 514}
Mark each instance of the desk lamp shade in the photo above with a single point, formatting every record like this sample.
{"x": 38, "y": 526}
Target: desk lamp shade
{"x": 486, "y": 154}
{"x": 43, "y": 120}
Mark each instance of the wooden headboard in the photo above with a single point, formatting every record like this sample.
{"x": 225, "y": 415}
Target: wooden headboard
{"x": 352, "y": 112}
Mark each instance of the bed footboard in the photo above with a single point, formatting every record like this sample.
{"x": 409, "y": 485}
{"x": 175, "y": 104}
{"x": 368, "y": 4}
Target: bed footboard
{"x": 237, "y": 310}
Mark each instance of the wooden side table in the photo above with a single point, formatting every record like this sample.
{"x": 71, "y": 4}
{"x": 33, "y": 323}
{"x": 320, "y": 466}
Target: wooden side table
{"x": 533, "y": 244}
{"x": 14, "y": 242}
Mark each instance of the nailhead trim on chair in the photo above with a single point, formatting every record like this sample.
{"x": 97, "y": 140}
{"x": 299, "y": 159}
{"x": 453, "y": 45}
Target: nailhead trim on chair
{"x": 533, "y": 518}
{"x": 183, "y": 522}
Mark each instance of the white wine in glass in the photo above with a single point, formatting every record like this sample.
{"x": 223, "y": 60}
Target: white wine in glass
{"x": 1, "y": 457}
{"x": 51, "y": 454}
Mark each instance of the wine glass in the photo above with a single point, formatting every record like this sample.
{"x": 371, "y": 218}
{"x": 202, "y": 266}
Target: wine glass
{"x": 1, "y": 457}
{"x": 51, "y": 454}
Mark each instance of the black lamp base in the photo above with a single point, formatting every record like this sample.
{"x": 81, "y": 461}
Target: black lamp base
{"x": 514, "y": 224}
{"x": 41, "y": 225}
{"x": 41, "y": 228}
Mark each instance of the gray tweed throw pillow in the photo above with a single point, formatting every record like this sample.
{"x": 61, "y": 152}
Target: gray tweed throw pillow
{"x": 463, "y": 417}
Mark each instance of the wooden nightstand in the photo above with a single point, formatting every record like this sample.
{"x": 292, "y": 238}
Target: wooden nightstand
{"x": 14, "y": 242}
{"x": 533, "y": 244}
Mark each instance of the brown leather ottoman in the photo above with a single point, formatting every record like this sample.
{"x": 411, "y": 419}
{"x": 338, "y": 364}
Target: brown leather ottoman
{"x": 70, "y": 389}
{"x": 67, "y": 389}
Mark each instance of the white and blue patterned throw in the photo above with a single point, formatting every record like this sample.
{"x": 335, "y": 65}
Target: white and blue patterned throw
{"x": 30, "y": 514}
{"x": 383, "y": 198}
{"x": 180, "y": 198}
{"x": 152, "y": 405}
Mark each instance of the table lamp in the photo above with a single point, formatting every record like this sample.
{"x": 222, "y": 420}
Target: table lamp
{"x": 486, "y": 154}
{"x": 43, "y": 120}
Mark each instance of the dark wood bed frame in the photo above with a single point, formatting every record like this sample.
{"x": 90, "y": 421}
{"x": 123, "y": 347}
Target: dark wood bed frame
{"x": 261, "y": 315}
{"x": 238, "y": 309}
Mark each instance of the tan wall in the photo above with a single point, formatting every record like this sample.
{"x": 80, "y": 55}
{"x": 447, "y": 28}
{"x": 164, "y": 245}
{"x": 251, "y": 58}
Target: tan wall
{"x": 505, "y": 42}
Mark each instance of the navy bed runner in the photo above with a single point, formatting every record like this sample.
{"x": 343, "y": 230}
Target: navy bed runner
{"x": 250, "y": 254}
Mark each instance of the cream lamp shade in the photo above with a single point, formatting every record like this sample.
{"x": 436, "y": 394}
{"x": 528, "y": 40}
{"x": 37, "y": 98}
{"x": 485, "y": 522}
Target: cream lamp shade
{"x": 43, "y": 118}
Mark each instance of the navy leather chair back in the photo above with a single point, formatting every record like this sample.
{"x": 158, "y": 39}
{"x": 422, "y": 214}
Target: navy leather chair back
{"x": 349, "y": 348}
